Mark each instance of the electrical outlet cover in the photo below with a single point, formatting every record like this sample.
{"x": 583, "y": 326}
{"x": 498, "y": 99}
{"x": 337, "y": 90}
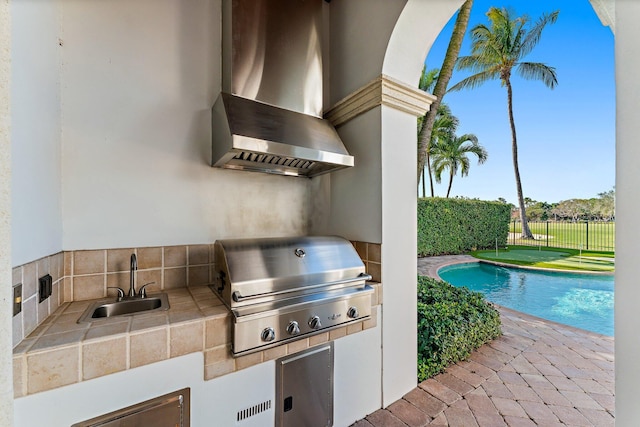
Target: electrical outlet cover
{"x": 17, "y": 299}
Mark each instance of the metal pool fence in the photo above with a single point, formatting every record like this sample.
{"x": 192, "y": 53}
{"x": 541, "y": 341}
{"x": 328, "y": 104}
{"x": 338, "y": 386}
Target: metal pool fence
{"x": 588, "y": 235}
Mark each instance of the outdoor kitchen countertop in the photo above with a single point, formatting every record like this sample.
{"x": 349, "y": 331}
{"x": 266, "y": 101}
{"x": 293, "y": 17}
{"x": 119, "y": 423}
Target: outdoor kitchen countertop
{"x": 61, "y": 351}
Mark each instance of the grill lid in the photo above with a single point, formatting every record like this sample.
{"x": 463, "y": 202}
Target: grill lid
{"x": 253, "y": 268}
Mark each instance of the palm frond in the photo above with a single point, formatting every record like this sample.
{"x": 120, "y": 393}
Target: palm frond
{"x": 464, "y": 166}
{"x": 519, "y": 35}
{"x": 478, "y": 150}
{"x": 475, "y": 80}
{"x": 468, "y": 137}
{"x": 479, "y": 33}
{"x": 428, "y": 79}
{"x": 472, "y": 63}
{"x": 538, "y": 71}
{"x": 534, "y": 34}
{"x": 437, "y": 168}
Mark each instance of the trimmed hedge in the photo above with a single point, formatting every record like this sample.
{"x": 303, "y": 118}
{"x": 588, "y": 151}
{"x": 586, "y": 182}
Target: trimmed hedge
{"x": 452, "y": 322}
{"x": 454, "y": 226}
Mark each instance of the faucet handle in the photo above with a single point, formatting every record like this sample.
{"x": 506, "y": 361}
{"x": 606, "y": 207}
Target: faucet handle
{"x": 142, "y": 293}
{"x": 120, "y": 292}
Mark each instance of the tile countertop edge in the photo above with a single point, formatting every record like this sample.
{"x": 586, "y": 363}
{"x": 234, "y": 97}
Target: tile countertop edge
{"x": 72, "y": 352}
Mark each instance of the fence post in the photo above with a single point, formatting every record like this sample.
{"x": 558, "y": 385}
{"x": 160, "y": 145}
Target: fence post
{"x": 547, "y": 233}
{"x": 587, "y": 224}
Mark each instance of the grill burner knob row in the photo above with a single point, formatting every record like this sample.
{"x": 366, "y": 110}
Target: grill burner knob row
{"x": 268, "y": 334}
{"x": 353, "y": 312}
{"x": 314, "y": 322}
{"x": 293, "y": 328}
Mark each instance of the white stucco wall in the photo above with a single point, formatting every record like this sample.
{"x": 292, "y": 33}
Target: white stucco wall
{"x": 122, "y": 107}
{"x": 413, "y": 37}
{"x": 214, "y": 402}
{"x": 6, "y": 295}
{"x": 399, "y": 254}
{"x": 360, "y": 31}
{"x": 138, "y": 82}
{"x": 355, "y": 208}
{"x": 627, "y": 291}
{"x": 35, "y": 122}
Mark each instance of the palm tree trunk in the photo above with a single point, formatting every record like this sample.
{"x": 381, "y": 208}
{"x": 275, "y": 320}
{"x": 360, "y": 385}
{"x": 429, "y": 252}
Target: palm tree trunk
{"x": 428, "y": 160}
{"x": 439, "y": 91}
{"x": 526, "y": 233}
{"x": 450, "y": 183}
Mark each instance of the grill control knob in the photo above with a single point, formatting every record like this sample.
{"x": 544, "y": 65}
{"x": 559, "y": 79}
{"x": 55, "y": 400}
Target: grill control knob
{"x": 314, "y": 322}
{"x": 352, "y": 312}
{"x": 293, "y": 328}
{"x": 268, "y": 334}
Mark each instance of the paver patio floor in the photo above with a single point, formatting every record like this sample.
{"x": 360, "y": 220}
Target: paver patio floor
{"x": 538, "y": 373}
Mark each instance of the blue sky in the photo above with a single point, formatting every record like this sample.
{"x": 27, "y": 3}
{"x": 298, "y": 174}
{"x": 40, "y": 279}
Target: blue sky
{"x": 566, "y": 136}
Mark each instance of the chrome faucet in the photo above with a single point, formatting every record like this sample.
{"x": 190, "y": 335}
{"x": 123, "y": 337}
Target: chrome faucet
{"x": 142, "y": 293}
{"x": 132, "y": 280}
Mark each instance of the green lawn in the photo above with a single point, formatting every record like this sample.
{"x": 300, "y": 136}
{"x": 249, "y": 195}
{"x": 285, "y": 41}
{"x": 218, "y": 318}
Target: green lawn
{"x": 601, "y": 235}
{"x": 553, "y": 258}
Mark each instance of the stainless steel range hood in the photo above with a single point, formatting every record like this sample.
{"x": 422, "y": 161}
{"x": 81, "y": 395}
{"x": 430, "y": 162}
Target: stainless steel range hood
{"x": 268, "y": 116}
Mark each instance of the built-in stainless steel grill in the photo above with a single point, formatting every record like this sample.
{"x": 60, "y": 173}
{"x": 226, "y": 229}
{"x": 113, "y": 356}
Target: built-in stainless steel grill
{"x": 283, "y": 289}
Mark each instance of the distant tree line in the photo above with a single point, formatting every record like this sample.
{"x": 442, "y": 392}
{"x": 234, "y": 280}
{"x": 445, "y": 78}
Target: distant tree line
{"x": 601, "y": 208}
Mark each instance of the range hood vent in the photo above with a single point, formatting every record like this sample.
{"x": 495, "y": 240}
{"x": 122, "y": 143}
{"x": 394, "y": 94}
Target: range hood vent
{"x": 250, "y": 135}
{"x": 268, "y": 115}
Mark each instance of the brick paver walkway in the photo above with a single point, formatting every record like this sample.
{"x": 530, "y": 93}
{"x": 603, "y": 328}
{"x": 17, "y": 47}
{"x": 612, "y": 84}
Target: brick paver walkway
{"x": 538, "y": 373}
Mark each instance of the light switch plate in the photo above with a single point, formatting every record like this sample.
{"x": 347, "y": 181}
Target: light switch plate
{"x": 46, "y": 287}
{"x": 17, "y": 299}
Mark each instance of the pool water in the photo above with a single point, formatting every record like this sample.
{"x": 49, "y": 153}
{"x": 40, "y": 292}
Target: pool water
{"x": 581, "y": 300}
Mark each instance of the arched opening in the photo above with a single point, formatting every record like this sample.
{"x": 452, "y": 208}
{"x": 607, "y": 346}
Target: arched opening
{"x": 561, "y": 155}
{"x": 411, "y": 39}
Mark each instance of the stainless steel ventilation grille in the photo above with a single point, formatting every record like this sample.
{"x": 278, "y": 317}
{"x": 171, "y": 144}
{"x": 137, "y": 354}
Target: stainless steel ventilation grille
{"x": 270, "y": 163}
{"x": 254, "y": 410}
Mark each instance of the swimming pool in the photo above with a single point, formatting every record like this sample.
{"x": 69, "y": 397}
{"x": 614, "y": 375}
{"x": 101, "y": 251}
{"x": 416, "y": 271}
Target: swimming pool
{"x": 581, "y": 300}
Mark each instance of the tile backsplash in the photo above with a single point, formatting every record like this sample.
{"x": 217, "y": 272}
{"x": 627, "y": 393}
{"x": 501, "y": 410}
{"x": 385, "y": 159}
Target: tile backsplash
{"x": 92, "y": 273}
{"x": 88, "y": 274}
{"x": 34, "y": 312}
{"x": 370, "y": 253}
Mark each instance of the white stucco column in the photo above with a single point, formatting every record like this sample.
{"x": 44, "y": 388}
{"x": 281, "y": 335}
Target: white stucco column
{"x": 399, "y": 262}
{"x": 627, "y": 291}
{"x": 376, "y": 202}
{"x": 374, "y": 76}
{"x": 6, "y": 367}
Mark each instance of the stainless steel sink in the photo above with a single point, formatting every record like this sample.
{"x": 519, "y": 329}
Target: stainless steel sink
{"x": 109, "y": 308}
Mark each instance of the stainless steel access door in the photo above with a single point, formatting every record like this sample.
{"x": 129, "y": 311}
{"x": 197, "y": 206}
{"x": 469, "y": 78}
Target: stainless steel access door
{"x": 304, "y": 388}
{"x": 170, "y": 410}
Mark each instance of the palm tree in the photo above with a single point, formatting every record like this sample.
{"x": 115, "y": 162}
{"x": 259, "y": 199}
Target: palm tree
{"x": 445, "y": 123}
{"x": 441, "y": 83}
{"x": 451, "y": 152}
{"x": 496, "y": 51}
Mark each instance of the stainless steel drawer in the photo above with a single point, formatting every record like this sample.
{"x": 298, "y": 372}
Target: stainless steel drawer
{"x": 170, "y": 410}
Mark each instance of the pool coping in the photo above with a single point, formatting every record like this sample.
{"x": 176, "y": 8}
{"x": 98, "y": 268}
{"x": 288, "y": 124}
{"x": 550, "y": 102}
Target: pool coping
{"x": 557, "y": 270}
